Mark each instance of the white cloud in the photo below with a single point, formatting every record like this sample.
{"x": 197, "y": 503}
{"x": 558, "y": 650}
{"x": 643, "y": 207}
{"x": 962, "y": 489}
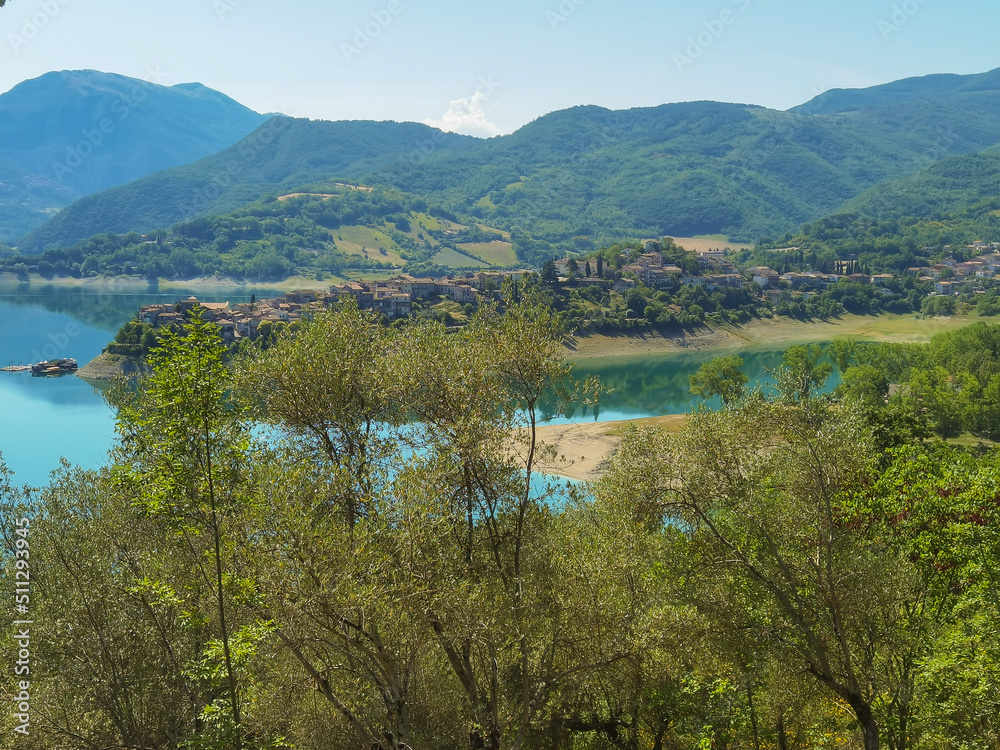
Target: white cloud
{"x": 467, "y": 116}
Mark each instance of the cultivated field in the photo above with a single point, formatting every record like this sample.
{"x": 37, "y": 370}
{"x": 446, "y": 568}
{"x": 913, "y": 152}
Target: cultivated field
{"x": 769, "y": 332}
{"x": 497, "y": 253}
{"x": 709, "y": 242}
{"x": 451, "y": 259}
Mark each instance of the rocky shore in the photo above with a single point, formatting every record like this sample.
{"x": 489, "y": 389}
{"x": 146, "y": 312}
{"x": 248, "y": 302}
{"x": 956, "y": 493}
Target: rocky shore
{"x": 111, "y": 366}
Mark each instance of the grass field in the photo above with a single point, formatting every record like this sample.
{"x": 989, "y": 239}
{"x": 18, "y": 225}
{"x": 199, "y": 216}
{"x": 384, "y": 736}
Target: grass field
{"x": 366, "y": 242}
{"x": 450, "y": 259}
{"x": 709, "y": 242}
{"x": 497, "y": 253}
{"x": 501, "y": 232}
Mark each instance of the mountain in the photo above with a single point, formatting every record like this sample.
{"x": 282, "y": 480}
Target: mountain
{"x": 284, "y": 153}
{"x": 705, "y": 167}
{"x": 312, "y": 234}
{"x": 72, "y": 133}
{"x": 941, "y": 88}
{"x": 580, "y": 176}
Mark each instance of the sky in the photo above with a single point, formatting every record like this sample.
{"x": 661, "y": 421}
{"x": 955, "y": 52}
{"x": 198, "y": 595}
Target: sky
{"x": 487, "y": 67}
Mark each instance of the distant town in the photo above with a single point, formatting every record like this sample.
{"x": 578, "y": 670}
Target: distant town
{"x": 395, "y": 297}
{"x": 392, "y": 298}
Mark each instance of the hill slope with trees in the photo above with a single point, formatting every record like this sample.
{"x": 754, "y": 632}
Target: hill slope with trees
{"x": 283, "y": 153}
{"x": 582, "y": 176}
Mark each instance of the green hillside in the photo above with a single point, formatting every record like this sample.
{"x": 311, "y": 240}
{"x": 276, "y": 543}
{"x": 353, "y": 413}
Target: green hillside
{"x": 325, "y": 230}
{"x": 698, "y": 168}
{"x": 283, "y": 153}
{"x": 969, "y": 183}
{"x": 581, "y": 177}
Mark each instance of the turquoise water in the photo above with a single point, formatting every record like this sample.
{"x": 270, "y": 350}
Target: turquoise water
{"x": 43, "y": 419}
{"x": 652, "y": 385}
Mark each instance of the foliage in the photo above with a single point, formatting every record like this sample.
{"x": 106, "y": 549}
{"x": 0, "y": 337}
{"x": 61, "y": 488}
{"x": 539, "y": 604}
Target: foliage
{"x": 949, "y": 385}
{"x": 720, "y": 377}
{"x": 271, "y": 239}
{"x": 759, "y": 491}
{"x": 184, "y": 458}
{"x": 801, "y": 372}
{"x": 344, "y": 540}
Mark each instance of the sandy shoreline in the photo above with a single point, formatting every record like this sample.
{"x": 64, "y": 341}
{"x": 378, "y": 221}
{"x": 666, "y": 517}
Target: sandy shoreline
{"x": 769, "y": 332}
{"x": 583, "y": 446}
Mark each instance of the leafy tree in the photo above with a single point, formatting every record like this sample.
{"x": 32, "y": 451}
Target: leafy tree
{"x": 761, "y": 492}
{"x": 184, "y": 458}
{"x": 936, "y": 504}
{"x": 722, "y": 377}
{"x": 478, "y": 389}
{"x": 111, "y": 645}
{"x": 865, "y": 385}
{"x": 328, "y": 385}
{"x": 843, "y": 351}
{"x": 417, "y": 445}
{"x": 801, "y": 372}
{"x": 944, "y": 399}
{"x": 549, "y": 275}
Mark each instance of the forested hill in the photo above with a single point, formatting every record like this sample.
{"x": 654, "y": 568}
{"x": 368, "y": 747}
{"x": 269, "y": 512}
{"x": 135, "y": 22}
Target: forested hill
{"x": 943, "y": 89}
{"x": 581, "y": 176}
{"x": 687, "y": 169}
{"x": 283, "y": 153}
{"x": 72, "y": 133}
{"x": 969, "y": 184}
{"x": 890, "y": 245}
{"x": 324, "y": 230}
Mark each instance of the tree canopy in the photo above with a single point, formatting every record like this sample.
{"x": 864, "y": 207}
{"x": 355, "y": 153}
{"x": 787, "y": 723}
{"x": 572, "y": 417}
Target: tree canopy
{"x": 344, "y": 540}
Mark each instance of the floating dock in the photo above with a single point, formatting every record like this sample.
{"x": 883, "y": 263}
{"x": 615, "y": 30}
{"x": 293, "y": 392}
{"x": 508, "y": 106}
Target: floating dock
{"x": 61, "y": 366}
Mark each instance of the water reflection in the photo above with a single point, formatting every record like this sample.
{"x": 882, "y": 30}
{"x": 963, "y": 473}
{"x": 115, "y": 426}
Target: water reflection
{"x": 42, "y": 419}
{"x": 645, "y": 386}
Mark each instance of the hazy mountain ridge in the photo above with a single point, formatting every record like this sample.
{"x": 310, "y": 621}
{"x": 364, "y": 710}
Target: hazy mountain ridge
{"x": 937, "y": 87}
{"x": 69, "y": 134}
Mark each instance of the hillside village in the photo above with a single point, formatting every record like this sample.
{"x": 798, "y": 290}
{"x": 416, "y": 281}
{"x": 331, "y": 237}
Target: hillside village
{"x": 392, "y": 298}
{"x": 396, "y": 297}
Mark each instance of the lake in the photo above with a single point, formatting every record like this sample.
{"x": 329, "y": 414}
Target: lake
{"x": 43, "y": 419}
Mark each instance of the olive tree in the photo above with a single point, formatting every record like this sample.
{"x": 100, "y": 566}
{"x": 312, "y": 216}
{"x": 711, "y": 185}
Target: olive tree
{"x": 720, "y": 377}
{"x": 762, "y": 493}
